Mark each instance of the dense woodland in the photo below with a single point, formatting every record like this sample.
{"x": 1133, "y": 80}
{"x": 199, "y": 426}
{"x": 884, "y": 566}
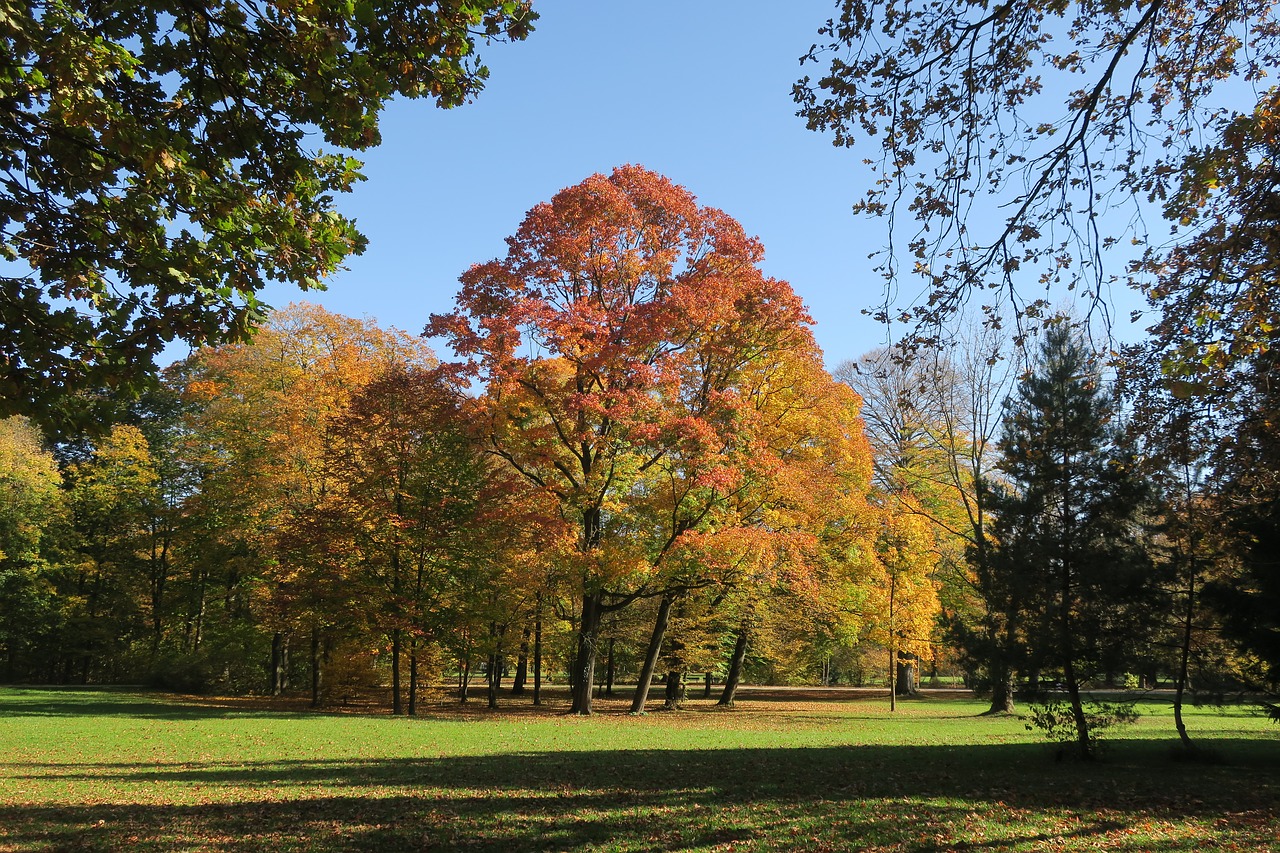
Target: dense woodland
{"x": 632, "y": 464}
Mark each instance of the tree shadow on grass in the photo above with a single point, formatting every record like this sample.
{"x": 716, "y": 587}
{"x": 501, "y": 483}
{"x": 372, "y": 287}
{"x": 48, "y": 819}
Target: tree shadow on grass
{"x": 917, "y": 798}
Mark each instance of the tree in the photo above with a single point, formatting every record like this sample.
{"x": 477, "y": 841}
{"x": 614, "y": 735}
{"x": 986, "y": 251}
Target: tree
{"x": 1067, "y": 532}
{"x": 1009, "y": 130}
{"x": 31, "y": 504}
{"x": 932, "y": 417}
{"x": 1249, "y": 504}
{"x": 261, "y": 426}
{"x": 612, "y": 342}
{"x": 157, "y": 173}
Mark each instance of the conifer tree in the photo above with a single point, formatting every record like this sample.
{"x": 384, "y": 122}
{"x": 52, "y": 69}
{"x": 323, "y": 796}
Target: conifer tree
{"x": 1068, "y": 563}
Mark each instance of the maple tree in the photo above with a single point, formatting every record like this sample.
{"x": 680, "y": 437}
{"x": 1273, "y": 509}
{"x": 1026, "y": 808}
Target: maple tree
{"x": 157, "y": 170}
{"x": 612, "y": 341}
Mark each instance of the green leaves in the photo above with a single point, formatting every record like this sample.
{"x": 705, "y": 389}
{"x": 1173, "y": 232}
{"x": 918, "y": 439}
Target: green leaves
{"x": 153, "y": 174}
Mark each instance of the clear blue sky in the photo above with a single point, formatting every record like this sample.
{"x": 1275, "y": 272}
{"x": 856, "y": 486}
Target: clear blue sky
{"x": 699, "y": 90}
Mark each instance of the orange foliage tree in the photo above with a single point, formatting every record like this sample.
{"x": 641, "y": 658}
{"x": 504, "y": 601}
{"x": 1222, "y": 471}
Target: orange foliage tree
{"x": 613, "y": 342}
{"x": 261, "y": 431}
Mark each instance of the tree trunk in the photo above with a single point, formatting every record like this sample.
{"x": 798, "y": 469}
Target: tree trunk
{"x": 906, "y": 674}
{"x": 413, "y": 675}
{"x": 675, "y": 691}
{"x": 584, "y": 665}
{"x": 521, "y": 677}
{"x": 651, "y": 654}
{"x": 317, "y": 675}
{"x": 1001, "y": 690}
{"x": 1184, "y": 657}
{"x": 706, "y": 685}
{"x": 466, "y": 677}
{"x": 735, "y": 668}
{"x": 397, "y": 705}
{"x": 893, "y": 675}
{"x": 537, "y": 655}
{"x": 276, "y": 674}
{"x": 608, "y": 671}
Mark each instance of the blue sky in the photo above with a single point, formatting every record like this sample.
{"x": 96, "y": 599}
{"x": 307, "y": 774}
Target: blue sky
{"x": 699, "y": 90}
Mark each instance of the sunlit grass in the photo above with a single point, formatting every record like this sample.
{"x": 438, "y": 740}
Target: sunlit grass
{"x": 114, "y": 770}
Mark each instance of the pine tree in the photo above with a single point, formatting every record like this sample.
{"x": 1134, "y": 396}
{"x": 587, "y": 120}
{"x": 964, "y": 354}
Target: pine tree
{"x": 1068, "y": 564}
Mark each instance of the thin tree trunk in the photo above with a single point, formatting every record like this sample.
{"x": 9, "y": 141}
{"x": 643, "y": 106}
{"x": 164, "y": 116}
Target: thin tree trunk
{"x": 397, "y": 705}
{"x": 893, "y": 675}
{"x": 277, "y": 663}
{"x": 608, "y": 671}
{"x": 316, "y": 674}
{"x": 413, "y": 675}
{"x": 466, "y": 677}
{"x": 1184, "y": 658}
{"x": 537, "y": 655}
{"x": 735, "y": 668}
{"x": 651, "y": 653}
{"x": 706, "y": 685}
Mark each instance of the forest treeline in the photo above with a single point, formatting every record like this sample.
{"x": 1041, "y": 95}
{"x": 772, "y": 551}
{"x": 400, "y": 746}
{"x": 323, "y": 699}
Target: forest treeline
{"x": 638, "y": 468}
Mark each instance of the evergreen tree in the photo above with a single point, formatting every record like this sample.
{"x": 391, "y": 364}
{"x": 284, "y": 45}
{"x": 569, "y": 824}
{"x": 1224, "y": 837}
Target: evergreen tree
{"x": 1249, "y": 503}
{"x": 1068, "y": 568}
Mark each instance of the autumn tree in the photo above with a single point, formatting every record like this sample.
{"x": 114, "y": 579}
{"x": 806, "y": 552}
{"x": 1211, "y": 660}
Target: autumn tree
{"x": 1024, "y": 140}
{"x": 260, "y": 436}
{"x": 31, "y": 505}
{"x": 157, "y": 170}
{"x": 112, "y": 496}
{"x": 611, "y": 341}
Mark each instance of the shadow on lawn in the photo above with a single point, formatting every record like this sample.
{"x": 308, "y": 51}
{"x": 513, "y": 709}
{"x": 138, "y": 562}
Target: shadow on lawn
{"x": 918, "y": 798}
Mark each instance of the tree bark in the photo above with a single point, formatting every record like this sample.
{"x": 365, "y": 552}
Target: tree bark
{"x": 413, "y": 675}
{"x": 735, "y": 668}
{"x": 584, "y": 665}
{"x": 1001, "y": 690}
{"x": 519, "y": 681}
{"x": 651, "y": 654}
{"x": 317, "y": 674}
{"x": 397, "y": 704}
{"x": 608, "y": 671}
{"x": 675, "y": 691}
{"x": 278, "y": 662}
{"x": 537, "y": 655}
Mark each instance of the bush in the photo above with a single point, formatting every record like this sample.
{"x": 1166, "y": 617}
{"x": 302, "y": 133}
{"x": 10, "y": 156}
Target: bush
{"x": 1054, "y": 719}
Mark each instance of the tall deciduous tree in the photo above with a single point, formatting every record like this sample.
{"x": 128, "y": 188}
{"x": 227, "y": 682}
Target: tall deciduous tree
{"x": 1068, "y": 531}
{"x": 156, "y": 171}
{"x": 613, "y": 341}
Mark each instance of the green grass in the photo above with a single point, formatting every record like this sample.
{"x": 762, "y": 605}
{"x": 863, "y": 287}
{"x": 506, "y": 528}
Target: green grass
{"x": 115, "y": 770}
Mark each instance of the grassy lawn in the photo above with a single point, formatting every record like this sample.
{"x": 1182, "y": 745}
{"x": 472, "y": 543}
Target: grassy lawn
{"x": 119, "y": 770}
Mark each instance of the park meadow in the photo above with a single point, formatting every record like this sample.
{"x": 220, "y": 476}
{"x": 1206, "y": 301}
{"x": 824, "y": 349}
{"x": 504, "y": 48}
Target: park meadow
{"x": 787, "y": 769}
